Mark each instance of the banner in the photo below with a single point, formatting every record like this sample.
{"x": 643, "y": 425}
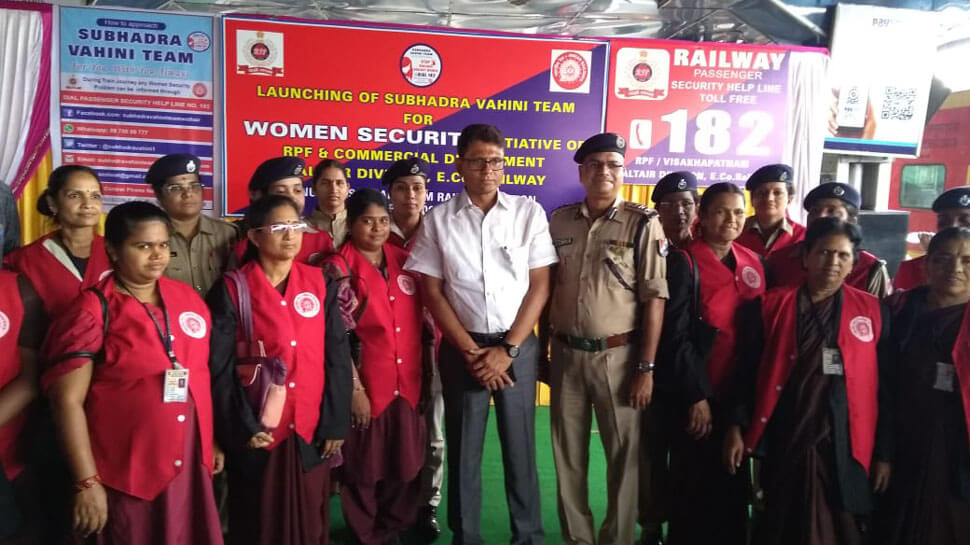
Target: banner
{"x": 881, "y": 72}
{"x": 134, "y": 85}
{"x": 368, "y": 96}
{"x": 717, "y": 110}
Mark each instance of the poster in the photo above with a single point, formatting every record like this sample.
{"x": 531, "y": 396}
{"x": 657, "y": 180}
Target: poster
{"x": 717, "y": 110}
{"x": 881, "y": 71}
{"x": 133, "y": 86}
{"x": 368, "y": 96}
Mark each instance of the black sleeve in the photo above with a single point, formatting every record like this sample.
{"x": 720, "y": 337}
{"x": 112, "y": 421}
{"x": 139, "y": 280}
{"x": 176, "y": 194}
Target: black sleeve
{"x": 234, "y": 420}
{"x": 335, "y": 408}
{"x": 743, "y": 383}
{"x": 887, "y": 385}
{"x": 681, "y": 369}
{"x": 34, "y": 324}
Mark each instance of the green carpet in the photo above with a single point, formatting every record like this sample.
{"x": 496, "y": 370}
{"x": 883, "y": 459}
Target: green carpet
{"x": 495, "y": 518}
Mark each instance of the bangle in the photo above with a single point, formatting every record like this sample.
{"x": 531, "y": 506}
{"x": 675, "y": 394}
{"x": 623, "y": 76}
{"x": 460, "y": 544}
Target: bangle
{"x": 90, "y": 482}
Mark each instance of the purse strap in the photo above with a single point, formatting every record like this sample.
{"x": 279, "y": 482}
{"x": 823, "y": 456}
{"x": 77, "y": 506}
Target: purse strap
{"x": 245, "y": 302}
{"x": 695, "y": 282}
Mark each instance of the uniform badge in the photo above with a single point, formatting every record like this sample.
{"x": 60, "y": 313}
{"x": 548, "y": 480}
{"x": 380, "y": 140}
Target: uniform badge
{"x": 415, "y": 168}
{"x": 4, "y": 324}
{"x": 965, "y": 200}
{"x": 192, "y": 324}
{"x": 407, "y": 285}
{"x": 783, "y": 177}
{"x": 838, "y": 191}
{"x": 682, "y": 184}
{"x": 566, "y": 241}
{"x": 861, "y": 327}
{"x": 306, "y": 304}
{"x": 190, "y": 167}
{"x": 663, "y": 247}
{"x": 751, "y": 277}
{"x": 620, "y": 142}
{"x": 297, "y": 170}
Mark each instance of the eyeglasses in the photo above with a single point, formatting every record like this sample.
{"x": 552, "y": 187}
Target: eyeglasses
{"x": 279, "y": 228}
{"x": 596, "y": 165}
{"x": 494, "y": 163}
{"x": 194, "y": 187}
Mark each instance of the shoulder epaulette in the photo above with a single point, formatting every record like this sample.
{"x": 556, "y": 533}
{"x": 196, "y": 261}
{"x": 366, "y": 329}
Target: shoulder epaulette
{"x": 565, "y": 207}
{"x": 638, "y": 208}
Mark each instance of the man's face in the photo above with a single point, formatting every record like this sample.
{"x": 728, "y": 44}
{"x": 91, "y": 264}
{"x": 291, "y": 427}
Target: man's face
{"x": 677, "y": 212}
{"x": 481, "y": 167}
{"x": 601, "y": 174}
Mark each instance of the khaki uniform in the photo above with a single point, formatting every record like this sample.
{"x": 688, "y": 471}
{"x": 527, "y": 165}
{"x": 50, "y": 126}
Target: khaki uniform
{"x": 607, "y": 268}
{"x": 336, "y": 225}
{"x": 201, "y": 261}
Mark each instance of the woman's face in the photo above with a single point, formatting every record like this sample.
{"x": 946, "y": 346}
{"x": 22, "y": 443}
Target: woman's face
{"x": 770, "y": 199}
{"x": 78, "y": 203}
{"x": 143, "y": 256}
{"x": 829, "y": 261}
{"x": 331, "y": 188}
{"x": 948, "y": 270}
{"x": 291, "y": 187}
{"x": 370, "y": 230}
{"x": 408, "y": 195}
{"x": 280, "y": 239}
{"x": 723, "y": 219}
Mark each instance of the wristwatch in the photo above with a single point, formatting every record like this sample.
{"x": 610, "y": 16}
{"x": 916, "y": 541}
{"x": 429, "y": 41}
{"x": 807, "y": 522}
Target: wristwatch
{"x": 511, "y": 349}
{"x": 644, "y": 366}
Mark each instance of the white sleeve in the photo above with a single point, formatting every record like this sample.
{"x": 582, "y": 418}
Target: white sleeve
{"x": 542, "y": 252}
{"x": 425, "y": 257}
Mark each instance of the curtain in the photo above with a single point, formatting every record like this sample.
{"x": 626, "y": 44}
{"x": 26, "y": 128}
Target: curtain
{"x": 808, "y": 105}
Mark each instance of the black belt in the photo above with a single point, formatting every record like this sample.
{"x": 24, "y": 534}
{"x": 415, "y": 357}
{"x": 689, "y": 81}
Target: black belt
{"x": 488, "y": 339}
{"x": 595, "y": 345}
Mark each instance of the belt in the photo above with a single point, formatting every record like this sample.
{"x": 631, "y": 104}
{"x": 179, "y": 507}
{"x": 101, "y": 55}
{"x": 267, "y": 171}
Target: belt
{"x": 488, "y": 339}
{"x": 596, "y": 345}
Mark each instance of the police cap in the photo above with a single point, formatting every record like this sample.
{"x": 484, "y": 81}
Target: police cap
{"x": 275, "y": 169}
{"x": 606, "y": 141}
{"x": 770, "y": 173}
{"x": 412, "y": 166}
{"x": 174, "y": 164}
{"x": 958, "y": 197}
{"x": 674, "y": 183}
{"x": 833, "y": 190}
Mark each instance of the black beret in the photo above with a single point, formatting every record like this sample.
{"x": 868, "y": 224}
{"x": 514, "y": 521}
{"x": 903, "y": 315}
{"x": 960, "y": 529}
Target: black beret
{"x": 958, "y": 197}
{"x": 606, "y": 141}
{"x": 770, "y": 173}
{"x": 412, "y": 166}
{"x": 674, "y": 183}
{"x": 833, "y": 190}
{"x": 275, "y": 169}
{"x": 171, "y": 165}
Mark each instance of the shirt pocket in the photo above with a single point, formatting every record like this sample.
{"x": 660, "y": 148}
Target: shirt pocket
{"x": 617, "y": 258}
{"x": 517, "y": 261}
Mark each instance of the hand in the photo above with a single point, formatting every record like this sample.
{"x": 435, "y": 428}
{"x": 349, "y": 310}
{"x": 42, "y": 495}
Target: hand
{"x": 733, "y": 450}
{"x": 360, "y": 410}
{"x": 218, "y": 459}
{"x": 90, "y": 510}
{"x": 262, "y": 439}
{"x": 490, "y": 366}
{"x": 641, "y": 390}
{"x": 330, "y": 447}
{"x": 881, "y": 471}
{"x": 699, "y": 420}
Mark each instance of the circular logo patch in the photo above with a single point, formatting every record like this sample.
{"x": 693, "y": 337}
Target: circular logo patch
{"x": 4, "y": 324}
{"x": 407, "y": 285}
{"x": 192, "y": 324}
{"x": 861, "y": 327}
{"x": 199, "y": 41}
{"x": 642, "y": 72}
{"x": 200, "y": 90}
{"x": 751, "y": 277}
{"x": 570, "y": 70}
{"x": 421, "y": 65}
{"x": 306, "y": 304}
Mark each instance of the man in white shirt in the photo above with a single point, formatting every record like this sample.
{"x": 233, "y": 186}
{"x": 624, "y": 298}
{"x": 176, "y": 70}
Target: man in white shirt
{"x": 485, "y": 257}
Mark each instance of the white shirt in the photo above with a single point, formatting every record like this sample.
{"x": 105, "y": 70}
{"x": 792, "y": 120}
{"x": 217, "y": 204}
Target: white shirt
{"x": 483, "y": 259}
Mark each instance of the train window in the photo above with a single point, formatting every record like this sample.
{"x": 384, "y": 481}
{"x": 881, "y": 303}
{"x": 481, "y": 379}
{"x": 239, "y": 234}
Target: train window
{"x": 920, "y": 185}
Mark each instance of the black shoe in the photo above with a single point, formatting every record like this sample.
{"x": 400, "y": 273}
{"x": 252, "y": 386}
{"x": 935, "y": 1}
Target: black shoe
{"x": 426, "y": 527}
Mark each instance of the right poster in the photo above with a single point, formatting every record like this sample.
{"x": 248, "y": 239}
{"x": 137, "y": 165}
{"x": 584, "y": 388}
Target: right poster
{"x": 717, "y": 110}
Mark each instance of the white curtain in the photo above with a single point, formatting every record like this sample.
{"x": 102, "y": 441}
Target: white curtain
{"x": 21, "y": 42}
{"x": 808, "y": 106}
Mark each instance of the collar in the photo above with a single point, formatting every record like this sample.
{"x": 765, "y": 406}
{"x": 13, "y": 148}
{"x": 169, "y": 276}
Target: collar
{"x": 205, "y": 225}
{"x": 463, "y": 201}
{"x": 583, "y": 210}
{"x": 752, "y": 224}
{"x": 397, "y": 230}
{"x": 320, "y": 214}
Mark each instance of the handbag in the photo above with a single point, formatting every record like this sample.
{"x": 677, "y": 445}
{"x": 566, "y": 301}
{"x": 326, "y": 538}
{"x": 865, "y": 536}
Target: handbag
{"x": 263, "y": 378}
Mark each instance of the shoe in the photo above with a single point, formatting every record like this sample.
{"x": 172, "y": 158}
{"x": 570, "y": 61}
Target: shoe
{"x": 426, "y": 527}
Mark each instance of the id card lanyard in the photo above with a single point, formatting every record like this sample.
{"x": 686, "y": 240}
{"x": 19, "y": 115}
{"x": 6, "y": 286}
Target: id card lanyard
{"x": 176, "y": 384}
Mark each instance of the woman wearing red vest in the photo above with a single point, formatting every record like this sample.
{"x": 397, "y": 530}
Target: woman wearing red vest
{"x": 22, "y": 327}
{"x": 709, "y": 505}
{"x": 930, "y": 492}
{"x": 385, "y": 450}
{"x": 279, "y": 477}
{"x": 810, "y": 407}
{"x": 71, "y": 258}
{"x": 129, "y": 387}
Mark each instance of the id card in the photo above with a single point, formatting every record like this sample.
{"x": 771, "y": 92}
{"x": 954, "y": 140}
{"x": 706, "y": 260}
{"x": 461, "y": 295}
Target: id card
{"x": 944, "y": 377}
{"x": 176, "y": 388}
{"x": 832, "y": 362}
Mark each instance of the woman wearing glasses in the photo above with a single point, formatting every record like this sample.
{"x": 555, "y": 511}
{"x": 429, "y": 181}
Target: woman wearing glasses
{"x": 279, "y": 477}
{"x": 128, "y": 380}
{"x": 73, "y": 257}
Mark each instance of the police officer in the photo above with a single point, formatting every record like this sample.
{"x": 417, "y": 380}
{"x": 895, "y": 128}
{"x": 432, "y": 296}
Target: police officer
{"x": 675, "y": 198}
{"x": 952, "y": 209}
{"x": 605, "y": 317}
{"x": 200, "y": 245}
{"x": 770, "y": 229}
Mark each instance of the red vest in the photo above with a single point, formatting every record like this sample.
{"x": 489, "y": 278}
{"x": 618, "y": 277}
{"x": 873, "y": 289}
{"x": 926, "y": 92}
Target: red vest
{"x": 11, "y": 318}
{"x": 751, "y": 239}
{"x": 292, "y": 327}
{"x": 723, "y": 291}
{"x": 911, "y": 274}
{"x": 859, "y": 327}
{"x": 316, "y": 246}
{"x": 57, "y": 285}
{"x": 389, "y": 329}
{"x": 961, "y": 364}
{"x": 785, "y": 269}
{"x": 137, "y": 440}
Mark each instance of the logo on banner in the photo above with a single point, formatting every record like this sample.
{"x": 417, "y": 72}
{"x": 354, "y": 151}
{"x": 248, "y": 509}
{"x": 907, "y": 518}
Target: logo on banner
{"x": 200, "y": 90}
{"x": 306, "y": 304}
{"x": 198, "y": 41}
{"x": 73, "y": 83}
{"x": 641, "y": 132}
{"x": 569, "y": 71}
{"x": 861, "y": 327}
{"x": 259, "y": 53}
{"x": 642, "y": 74}
{"x": 421, "y": 65}
{"x": 192, "y": 324}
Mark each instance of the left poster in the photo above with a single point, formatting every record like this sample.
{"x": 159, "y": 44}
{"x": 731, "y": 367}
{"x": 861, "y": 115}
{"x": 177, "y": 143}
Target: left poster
{"x": 133, "y": 86}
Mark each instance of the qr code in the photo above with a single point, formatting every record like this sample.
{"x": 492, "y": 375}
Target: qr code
{"x": 897, "y": 103}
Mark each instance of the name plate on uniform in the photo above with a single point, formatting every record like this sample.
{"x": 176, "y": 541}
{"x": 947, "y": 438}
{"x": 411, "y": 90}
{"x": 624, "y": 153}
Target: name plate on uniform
{"x": 945, "y": 377}
{"x": 832, "y": 362}
{"x": 176, "y": 388}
